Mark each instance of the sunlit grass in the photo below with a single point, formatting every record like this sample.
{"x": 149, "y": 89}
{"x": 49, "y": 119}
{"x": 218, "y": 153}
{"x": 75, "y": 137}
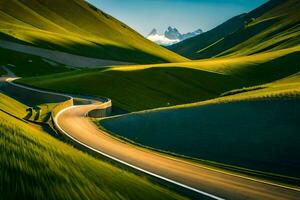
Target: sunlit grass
{"x": 35, "y": 165}
{"x": 94, "y": 33}
{"x": 12, "y": 106}
{"x": 161, "y": 85}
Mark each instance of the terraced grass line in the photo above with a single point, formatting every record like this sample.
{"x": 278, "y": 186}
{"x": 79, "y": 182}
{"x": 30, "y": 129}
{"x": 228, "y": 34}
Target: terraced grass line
{"x": 245, "y": 89}
{"x": 41, "y": 167}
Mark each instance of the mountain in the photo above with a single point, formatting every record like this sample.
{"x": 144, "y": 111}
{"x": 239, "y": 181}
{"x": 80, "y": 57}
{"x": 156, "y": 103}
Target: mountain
{"x": 174, "y": 34}
{"x": 191, "y": 34}
{"x": 153, "y": 32}
{"x": 272, "y": 26}
{"x": 170, "y": 36}
{"x": 47, "y": 24}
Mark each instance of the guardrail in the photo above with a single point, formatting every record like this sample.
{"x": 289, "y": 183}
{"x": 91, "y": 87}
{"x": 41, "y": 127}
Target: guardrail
{"x": 101, "y": 105}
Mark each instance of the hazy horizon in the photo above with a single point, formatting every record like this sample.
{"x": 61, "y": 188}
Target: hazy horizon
{"x": 144, "y": 15}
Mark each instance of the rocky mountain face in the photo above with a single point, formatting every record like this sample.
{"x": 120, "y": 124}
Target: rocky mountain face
{"x": 171, "y": 36}
{"x": 153, "y": 32}
{"x": 174, "y": 34}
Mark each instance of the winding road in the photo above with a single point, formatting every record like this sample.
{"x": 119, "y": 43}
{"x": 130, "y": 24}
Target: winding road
{"x": 215, "y": 184}
{"x": 73, "y": 122}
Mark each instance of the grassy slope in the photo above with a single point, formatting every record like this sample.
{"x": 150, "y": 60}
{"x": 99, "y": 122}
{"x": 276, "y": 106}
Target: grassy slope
{"x": 204, "y": 130}
{"x": 190, "y": 46}
{"x": 273, "y": 26}
{"x": 206, "y": 78}
{"x": 36, "y": 166}
{"x": 152, "y": 86}
{"x": 12, "y": 106}
{"x": 94, "y": 33}
{"x": 26, "y": 65}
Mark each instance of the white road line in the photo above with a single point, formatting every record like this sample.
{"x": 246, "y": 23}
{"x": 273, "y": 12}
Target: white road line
{"x": 128, "y": 164}
{"x": 37, "y": 90}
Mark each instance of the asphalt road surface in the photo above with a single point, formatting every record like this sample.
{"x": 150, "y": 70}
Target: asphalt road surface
{"x": 212, "y": 183}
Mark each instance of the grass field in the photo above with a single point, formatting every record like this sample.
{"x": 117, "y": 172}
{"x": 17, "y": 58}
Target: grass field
{"x": 273, "y": 26}
{"x": 26, "y": 65}
{"x": 12, "y": 106}
{"x": 35, "y": 165}
{"x": 96, "y": 34}
{"x": 141, "y": 87}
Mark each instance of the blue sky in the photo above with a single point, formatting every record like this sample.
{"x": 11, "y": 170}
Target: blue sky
{"x": 186, "y": 15}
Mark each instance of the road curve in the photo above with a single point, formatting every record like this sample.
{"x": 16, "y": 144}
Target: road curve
{"x": 215, "y": 184}
{"x": 73, "y": 122}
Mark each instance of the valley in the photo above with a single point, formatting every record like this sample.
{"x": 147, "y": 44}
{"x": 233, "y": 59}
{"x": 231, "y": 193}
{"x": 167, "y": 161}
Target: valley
{"x": 91, "y": 109}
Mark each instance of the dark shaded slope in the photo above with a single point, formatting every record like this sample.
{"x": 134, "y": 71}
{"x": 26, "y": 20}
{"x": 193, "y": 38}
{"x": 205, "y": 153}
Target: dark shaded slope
{"x": 274, "y": 25}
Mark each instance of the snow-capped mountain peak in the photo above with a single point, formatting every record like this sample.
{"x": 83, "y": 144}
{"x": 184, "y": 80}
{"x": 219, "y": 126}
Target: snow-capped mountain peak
{"x": 172, "y": 33}
{"x": 153, "y": 32}
{"x": 170, "y": 36}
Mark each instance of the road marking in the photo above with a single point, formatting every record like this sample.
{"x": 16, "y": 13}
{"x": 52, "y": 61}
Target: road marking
{"x": 128, "y": 164}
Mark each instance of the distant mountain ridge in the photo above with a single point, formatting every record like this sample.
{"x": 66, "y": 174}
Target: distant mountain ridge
{"x": 171, "y": 36}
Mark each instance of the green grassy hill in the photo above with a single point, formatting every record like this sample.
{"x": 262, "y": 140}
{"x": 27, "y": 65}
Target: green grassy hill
{"x": 35, "y": 165}
{"x": 82, "y": 29}
{"x": 273, "y": 26}
{"x": 152, "y": 86}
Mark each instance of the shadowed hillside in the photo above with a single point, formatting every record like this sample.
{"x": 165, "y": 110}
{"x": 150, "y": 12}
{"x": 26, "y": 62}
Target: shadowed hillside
{"x": 25, "y": 65}
{"x": 222, "y": 133}
{"x": 273, "y": 26}
{"x": 262, "y": 120}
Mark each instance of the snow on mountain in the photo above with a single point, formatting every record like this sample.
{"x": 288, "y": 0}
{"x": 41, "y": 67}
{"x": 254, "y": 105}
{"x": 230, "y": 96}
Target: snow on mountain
{"x": 161, "y": 39}
{"x": 170, "y": 36}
